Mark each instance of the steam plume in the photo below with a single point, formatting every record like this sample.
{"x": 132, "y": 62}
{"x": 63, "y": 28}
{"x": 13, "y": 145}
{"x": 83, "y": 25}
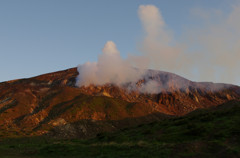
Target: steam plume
{"x": 219, "y": 43}
{"x": 158, "y": 44}
{"x": 212, "y": 52}
{"x": 110, "y": 68}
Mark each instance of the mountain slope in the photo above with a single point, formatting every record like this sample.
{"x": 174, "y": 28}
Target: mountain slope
{"x": 36, "y": 105}
{"x": 210, "y": 133}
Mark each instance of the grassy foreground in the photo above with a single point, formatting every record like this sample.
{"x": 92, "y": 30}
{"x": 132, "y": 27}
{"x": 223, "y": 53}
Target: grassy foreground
{"x": 202, "y": 133}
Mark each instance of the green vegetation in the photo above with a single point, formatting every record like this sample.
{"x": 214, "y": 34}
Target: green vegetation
{"x": 202, "y": 133}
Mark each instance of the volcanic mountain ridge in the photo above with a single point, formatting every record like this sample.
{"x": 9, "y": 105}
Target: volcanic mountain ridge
{"x": 42, "y": 104}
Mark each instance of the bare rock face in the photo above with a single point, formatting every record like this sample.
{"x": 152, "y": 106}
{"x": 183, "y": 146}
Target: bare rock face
{"x": 37, "y": 105}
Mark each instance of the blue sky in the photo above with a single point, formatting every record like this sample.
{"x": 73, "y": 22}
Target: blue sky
{"x": 38, "y": 37}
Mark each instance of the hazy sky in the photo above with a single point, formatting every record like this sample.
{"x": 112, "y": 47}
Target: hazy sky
{"x": 41, "y": 36}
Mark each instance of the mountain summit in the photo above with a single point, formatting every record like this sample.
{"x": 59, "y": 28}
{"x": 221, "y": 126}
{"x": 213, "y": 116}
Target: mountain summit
{"x": 53, "y": 103}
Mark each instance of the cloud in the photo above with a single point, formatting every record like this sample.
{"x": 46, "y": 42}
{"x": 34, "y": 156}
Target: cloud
{"x": 151, "y": 87}
{"x": 158, "y": 43}
{"x": 208, "y": 53}
{"x": 218, "y": 43}
{"x": 110, "y": 68}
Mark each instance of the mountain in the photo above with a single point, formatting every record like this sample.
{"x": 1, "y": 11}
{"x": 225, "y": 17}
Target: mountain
{"x": 51, "y": 103}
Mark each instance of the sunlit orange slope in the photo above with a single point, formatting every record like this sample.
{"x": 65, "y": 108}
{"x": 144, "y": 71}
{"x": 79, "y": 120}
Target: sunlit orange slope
{"x": 36, "y": 105}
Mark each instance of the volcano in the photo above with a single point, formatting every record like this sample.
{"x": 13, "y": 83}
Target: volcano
{"x": 52, "y": 104}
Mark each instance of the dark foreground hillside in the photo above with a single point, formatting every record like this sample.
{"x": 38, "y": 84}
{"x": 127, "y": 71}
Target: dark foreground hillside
{"x": 203, "y": 133}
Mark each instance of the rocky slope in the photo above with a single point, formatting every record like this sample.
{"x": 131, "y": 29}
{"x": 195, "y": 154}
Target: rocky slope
{"x": 37, "y": 105}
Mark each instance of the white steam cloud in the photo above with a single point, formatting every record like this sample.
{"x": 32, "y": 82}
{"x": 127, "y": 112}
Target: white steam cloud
{"x": 110, "y": 68}
{"x": 218, "y": 41}
{"x": 158, "y": 45}
{"x": 209, "y": 53}
{"x": 212, "y": 52}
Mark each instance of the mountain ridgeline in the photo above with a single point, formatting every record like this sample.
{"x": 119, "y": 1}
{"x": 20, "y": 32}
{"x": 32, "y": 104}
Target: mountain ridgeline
{"x": 52, "y": 103}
